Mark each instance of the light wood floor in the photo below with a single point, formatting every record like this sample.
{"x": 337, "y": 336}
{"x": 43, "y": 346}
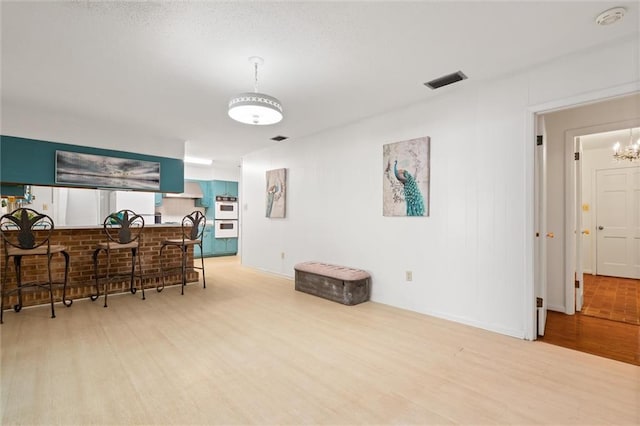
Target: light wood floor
{"x": 251, "y": 350}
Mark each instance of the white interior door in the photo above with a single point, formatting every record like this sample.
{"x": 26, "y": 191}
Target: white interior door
{"x": 578, "y": 231}
{"x": 618, "y": 222}
{"x": 540, "y": 274}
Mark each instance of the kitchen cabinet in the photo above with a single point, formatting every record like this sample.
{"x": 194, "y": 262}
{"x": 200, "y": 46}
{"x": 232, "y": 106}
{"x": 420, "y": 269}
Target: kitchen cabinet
{"x": 212, "y": 188}
{"x": 232, "y": 246}
{"x": 212, "y": 246}
{"x": 224, "y": 187}
{"x": 208, "y": 242}
{"x": 225, "y": 246}
{"x": 208, "y": 199}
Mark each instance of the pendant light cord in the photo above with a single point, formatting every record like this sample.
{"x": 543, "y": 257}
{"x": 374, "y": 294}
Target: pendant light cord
{"x": 255, "y": 84}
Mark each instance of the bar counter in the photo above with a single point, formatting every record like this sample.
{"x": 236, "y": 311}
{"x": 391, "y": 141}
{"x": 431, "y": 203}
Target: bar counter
{"x": 81, "y": 242}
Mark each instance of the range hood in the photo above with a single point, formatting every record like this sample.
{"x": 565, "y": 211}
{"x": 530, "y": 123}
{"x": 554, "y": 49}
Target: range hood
{"x": 191, "y": 190}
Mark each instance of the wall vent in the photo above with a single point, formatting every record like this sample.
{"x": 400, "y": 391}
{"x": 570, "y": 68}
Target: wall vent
{"x": 446, "y": 80}
{"x": 279, "y": 138}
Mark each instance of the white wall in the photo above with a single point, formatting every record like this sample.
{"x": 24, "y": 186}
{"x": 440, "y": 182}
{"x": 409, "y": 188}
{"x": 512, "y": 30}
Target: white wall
{"x": 471, "y": 258}
{"x": 217, "y": 171}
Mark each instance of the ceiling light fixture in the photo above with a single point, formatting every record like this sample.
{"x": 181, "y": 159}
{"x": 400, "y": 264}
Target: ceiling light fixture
{"x": 253, "y": 107}
{"x": 630, "y": 152}
{"x": 611, "y": 16}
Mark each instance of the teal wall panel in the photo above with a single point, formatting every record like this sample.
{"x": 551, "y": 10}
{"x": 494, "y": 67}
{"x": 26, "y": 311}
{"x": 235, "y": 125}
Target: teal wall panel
{"x": 12, "y": 190}
{"x": 31, "y": 161}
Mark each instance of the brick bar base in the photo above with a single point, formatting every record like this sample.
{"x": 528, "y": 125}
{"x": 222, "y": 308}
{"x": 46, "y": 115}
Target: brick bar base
{"x": 80, "y": 245}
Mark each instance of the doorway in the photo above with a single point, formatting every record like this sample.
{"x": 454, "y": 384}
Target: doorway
{"x": 610, "y": 214}
{"x": 565, "y": 210}
{"x": 560, "y": 237}
{"x": 617, "y": 221}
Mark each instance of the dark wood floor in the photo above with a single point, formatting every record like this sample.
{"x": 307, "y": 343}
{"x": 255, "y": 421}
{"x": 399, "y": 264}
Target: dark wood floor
{"x": 602, "y": 337}
{"x": 612, "y": 298}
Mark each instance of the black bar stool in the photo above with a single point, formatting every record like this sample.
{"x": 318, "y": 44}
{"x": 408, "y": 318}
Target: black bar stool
{"x": 28, "y": 233}
{"x": 124, "y": 231}
{"x": 192, "y": 230}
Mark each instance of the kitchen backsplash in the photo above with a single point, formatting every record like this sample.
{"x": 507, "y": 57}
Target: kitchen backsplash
{"x": 174, "y": 209}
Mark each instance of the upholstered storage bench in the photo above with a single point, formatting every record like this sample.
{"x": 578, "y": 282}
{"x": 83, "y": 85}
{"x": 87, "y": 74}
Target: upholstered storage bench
{"x": 338, "y": 283}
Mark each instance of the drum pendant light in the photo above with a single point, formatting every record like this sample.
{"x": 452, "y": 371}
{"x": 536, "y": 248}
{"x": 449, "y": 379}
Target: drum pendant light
{"x": 254, "y": 107}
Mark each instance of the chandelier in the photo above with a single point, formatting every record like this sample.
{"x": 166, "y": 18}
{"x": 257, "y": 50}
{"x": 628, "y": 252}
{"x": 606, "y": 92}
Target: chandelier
{"x": 253, "y": 107}
{"x": 631, "y": 152}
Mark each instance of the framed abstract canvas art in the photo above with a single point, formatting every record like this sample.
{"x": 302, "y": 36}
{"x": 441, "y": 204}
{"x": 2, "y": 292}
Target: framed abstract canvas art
{"x": 276, "y": 193}
{"x": 406, "y": 178}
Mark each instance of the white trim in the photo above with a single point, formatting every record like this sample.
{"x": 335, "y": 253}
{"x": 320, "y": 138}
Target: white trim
{"x": 556, "y": 308}
{"x": 586, "y": 98}
{"x": 569, "y": 223}
{"x": 478, "y": 324}
{"x": 529, "y": 309}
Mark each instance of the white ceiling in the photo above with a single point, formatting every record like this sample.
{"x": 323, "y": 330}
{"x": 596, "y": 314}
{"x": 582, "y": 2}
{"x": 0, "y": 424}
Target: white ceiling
{"x": 170, "y": 68}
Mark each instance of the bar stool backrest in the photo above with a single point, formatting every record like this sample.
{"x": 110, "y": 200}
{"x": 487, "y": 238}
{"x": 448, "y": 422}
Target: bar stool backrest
{"x": 123, "y": 227}
{"x": 193, "y": 226}
{"x": 19, "y": 227}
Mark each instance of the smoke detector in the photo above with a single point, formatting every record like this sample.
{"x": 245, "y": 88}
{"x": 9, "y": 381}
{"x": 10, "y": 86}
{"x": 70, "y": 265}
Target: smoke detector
{"x": 610, "y": 16}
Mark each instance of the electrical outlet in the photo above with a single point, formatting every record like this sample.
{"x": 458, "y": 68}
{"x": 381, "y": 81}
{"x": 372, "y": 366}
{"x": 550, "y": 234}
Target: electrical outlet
{"x": 45, "y": 206}
{"x": 281, "y": 255}
{"x": 409, "y": 276}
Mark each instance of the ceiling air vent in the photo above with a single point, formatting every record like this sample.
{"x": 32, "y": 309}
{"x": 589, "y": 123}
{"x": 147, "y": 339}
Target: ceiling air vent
{"x": 445, "y": 80}
{"x": 279, "y": 138}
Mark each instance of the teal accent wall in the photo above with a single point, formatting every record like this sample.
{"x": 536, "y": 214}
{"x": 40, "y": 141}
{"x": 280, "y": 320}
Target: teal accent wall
{"x": 12, "y": 190}
{"x": 32, "y": 162}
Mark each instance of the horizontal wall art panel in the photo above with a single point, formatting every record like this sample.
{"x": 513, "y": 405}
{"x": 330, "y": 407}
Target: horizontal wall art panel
{"x": 76, "y": 168}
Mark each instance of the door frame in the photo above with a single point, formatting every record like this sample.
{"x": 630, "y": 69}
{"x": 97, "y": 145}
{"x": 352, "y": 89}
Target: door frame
{"x": 540, "y": 223}
{"x": 532, "y": 265}
{"x": 578, "y": 292}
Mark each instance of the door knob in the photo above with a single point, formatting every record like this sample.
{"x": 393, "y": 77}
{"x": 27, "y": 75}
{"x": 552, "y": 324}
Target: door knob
{"x": 550, "y": 235}
{"x": 586, "y": 232}
{"x": 601, "y": 227}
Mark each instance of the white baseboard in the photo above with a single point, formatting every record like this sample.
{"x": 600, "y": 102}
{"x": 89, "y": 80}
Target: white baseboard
{"x": 556, "y": 308}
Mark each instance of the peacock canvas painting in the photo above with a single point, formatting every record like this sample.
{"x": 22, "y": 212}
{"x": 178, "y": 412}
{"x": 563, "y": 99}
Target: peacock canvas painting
{"x": 276, "y": 193}
{"x": 406, "y": 178}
